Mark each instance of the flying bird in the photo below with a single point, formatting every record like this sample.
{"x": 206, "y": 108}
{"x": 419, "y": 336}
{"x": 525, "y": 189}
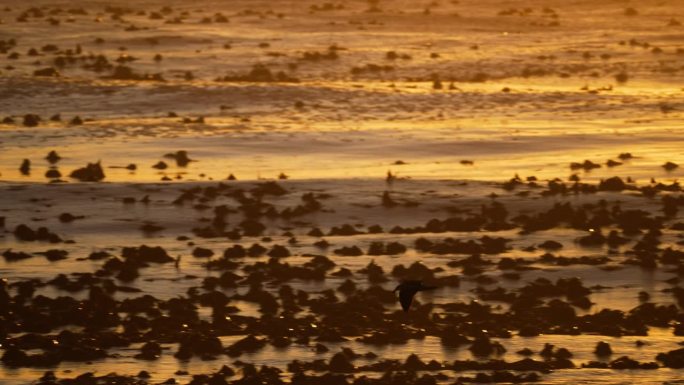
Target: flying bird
{"x": 408, "y": 289}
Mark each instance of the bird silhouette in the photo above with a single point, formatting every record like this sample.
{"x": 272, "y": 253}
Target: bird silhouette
{"x": 408, "y": 289}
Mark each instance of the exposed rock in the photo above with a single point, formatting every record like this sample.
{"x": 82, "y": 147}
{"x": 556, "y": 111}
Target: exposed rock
{"x": 25, "y": 167}
{"x": 31, "y": 120}
{"x": 603, "y": 349}
{"x": 672, "y": 359}
{"x": 53, "y": 173}
{"x": 669, "y": 166}
{"x": 340, "y": 363}
{"x": 53, "y": 157}
{"x": 91, "y": 173}
{"x": 161, "y": 165}
{"x": 149, "y": 351}
{"x": 47, "y": 72}
{"x": 200, "y": 252}
{"x": 181, "y": 158}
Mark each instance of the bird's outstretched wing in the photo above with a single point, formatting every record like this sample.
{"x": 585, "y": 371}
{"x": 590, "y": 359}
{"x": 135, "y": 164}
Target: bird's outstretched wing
{"x": 406, "y": 297}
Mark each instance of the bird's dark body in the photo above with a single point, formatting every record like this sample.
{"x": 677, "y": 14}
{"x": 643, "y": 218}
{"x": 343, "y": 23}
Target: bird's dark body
{"x": 407, "y": 290}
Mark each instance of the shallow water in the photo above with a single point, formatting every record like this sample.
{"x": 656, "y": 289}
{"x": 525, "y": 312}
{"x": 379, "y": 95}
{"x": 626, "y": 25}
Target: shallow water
{"x": 109, "y": 224}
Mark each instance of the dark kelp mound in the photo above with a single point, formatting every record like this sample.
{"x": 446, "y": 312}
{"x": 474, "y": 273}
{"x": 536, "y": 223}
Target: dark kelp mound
{"x": 93, "y": 172}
